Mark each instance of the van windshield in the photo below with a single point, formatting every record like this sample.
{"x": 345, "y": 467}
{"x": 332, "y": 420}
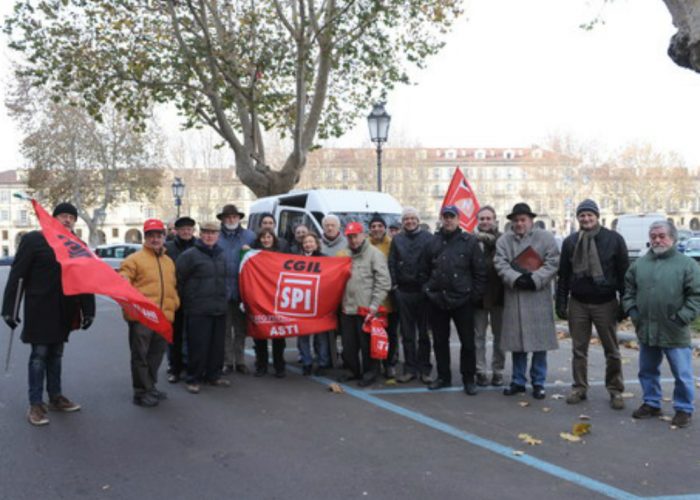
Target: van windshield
{"x": 365, "y": 217}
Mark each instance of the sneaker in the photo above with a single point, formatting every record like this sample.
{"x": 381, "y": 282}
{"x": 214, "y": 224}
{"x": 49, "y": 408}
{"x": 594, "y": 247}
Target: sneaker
{"x": 192, "y": 388}
{"x": 575, "y": 397}
{"x": 62, "y": 403}
{"x": 482, "y": 380}
{"x": 682, "y": 419}
{"x": 616, "y": 402}
{"x": 425, "y": 378}
{"x": 242, "y": 369}
{"x": 646, "y": 411}
{"x": 222, "y": 382}
{"x": 36, "y": 415}
{"x": 147, "y": 400}
{"x": 367, "y": 380}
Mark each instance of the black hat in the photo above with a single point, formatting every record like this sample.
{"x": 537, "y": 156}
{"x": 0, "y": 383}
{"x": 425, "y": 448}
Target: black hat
{"x": 185, "y": 222}
{"x": 65, "y": 208}
{"x": 229, "y": 210}
{"x": 521, "y": 209}
{"x": 377, "y": 218}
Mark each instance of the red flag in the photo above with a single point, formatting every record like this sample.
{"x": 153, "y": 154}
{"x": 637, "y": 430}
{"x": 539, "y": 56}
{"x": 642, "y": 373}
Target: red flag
{"x": 83, "y": 272}
{"x": 290, "y": 295}
{"x": 461, "y": 194}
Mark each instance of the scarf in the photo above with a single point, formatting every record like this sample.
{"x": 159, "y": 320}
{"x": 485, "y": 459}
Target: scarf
{"x": 586, "y": 260}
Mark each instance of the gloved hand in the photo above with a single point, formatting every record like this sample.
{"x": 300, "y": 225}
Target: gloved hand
{"x": 562, "y": 313}
{"x": 11, "y": 322}
{"x": 524, "y": 282}
{"x": 87, "y": 321}
{"x": 621, "y": 314}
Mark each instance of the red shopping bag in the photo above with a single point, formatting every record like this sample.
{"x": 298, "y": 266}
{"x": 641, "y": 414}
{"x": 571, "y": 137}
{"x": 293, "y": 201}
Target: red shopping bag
{"x": 376, "y": 326}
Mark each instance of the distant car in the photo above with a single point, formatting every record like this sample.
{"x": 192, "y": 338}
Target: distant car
{"x": 692, "y": 248}
{"x": 683, "y": 236}
{"x": 6, "y": 261}
{"x": 114, "y": 254}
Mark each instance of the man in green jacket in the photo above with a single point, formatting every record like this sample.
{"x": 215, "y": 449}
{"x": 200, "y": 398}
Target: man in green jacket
{"x": 662, "y": 297}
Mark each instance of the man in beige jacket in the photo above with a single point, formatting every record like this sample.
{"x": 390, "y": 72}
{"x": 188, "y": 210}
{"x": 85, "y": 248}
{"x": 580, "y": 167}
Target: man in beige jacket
{"x": 368, "y": 286}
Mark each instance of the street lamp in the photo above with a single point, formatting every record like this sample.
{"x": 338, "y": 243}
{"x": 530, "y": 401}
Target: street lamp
{"x": 178, "y": 188}
{"x": 378, "y": 121}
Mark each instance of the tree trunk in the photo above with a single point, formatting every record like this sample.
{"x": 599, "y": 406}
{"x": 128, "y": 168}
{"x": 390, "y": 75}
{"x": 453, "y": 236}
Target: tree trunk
{"x": 684, "y": 48}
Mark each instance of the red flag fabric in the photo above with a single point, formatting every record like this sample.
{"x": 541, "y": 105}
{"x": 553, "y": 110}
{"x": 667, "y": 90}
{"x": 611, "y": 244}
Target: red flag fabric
{"x": 291, "y": 295}
{"x": 461, "y": 194}
{"x": 83, "y": 272}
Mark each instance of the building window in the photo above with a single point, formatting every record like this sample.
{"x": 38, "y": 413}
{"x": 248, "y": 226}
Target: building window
{"x": 5, "y": 235}
{"x": 450, "y": 154}
{"x": 23, "y": 217}
{"x": 115, "y": 232}
{"x": 149, "y": 213}
{"x": 4, "y": 215}
{"x": 4, "y": 196}
{"x": 508, "y": 154}
{"x": 480, "y": 154}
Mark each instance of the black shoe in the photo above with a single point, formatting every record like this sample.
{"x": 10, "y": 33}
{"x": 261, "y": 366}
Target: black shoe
{"x": 147, "y": 400}
{"x": 280, "y": 373}
{"x": 425, "y": 378}
{"x": 173, "y": 379}
{"x": 260, "y": 371}
{"x": 439, "y": 384}
{"x": 497, "y": 380}
{"x": 406, "y": 378}
{"x": 482, "y": 379}
{"x": 514, "y": 389}
{"x": 346, "y": 377}
{"x": 306, "y": 370}
{"x": 682, "y": 419}
{"x": 538, "y": 392}
{"x": 367, "y": 380}
{"x": 159, "y": 395}
{"x": 390, "y": 372}
{"x": 646, "y": 411}
{"x": 470, "y": 389}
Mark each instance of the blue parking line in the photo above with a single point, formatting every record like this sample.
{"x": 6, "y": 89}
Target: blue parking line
{"x": 695, "y": 496}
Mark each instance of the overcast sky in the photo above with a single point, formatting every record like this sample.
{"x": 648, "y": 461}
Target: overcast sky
{"x": 515, "y": 72}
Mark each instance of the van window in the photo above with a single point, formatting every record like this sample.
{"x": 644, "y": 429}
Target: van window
{"x": 365, "y": 217}
{"x": 254, "y": 222}
{"x": 289, "y": 219}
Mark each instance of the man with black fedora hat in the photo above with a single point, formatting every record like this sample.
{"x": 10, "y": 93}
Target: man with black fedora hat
{"x": 232, "y": 239}
{"x": 526, "y": 260}
{"x": 183, "y": 240}
{"x": 49, "y": 315}
{"x": 590, "y": 288}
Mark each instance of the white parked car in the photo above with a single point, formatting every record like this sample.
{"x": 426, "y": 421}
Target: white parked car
{"x": 115, "y": 253}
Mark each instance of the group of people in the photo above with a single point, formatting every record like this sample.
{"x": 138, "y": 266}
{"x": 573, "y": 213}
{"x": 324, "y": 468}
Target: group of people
{"x": 419, "y": 281}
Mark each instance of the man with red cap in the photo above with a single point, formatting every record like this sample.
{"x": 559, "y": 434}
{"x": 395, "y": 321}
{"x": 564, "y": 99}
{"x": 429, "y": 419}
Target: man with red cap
{"x": 49, "y": 315}
{"x": 152, "y": 273}
{"x": 367, "y": 288}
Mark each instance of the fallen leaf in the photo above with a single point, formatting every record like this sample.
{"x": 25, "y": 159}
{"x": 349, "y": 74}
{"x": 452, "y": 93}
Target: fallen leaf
{"x": 667, "y": 400}
{"x": 518, "y": 453}
{"x": 674, "y": 427}
{"x": 595, "y": 341}
{"x": 584, "y": 417}
{"x": 336, "y": 389}
{"x": 569, "y": 437}
{"x": 557, "y": 396}
{"x": 523, "y": 404}
{"x": 631, "y": 344}
{"x": 546, "y": 409}
{"x": 665, "y": 418}
{"x": 580, "y": 429}
{"x": 528, "y": 439}
{"x": 627, "y": 395}
{"x": 562, "y": 335}
{"x": 625, "y": 361}
{"x": 390, "y": 381}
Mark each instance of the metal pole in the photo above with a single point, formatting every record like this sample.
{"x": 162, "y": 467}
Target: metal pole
{"x": 379, "y": 166}
{"x": 178, "y": 202}
{"x": 15, "y": 317}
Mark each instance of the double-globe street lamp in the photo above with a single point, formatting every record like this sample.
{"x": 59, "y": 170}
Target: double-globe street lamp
{"x": 378, "y": 121}
{"x": 178, "y": 188}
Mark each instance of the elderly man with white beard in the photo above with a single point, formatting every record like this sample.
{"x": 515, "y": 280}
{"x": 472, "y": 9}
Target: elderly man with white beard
{"x": 662, "y": 297}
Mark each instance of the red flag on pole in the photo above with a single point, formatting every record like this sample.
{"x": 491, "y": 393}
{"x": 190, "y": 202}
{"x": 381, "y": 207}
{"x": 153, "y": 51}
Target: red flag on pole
{"x": 83, "y": 272}
{"x": 461, "y": 194}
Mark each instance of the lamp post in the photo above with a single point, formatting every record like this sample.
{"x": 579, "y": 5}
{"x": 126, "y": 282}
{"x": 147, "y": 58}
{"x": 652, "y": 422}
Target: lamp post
{"x": 378, "y": 121}
{"x": 178, "y": 188}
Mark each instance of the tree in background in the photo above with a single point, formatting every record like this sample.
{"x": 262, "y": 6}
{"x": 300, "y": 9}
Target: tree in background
{"x": 303, "y": 68}
{"x": 72, "y": 157}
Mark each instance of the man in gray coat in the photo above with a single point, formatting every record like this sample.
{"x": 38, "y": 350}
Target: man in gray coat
{"x": 526, "y": 260}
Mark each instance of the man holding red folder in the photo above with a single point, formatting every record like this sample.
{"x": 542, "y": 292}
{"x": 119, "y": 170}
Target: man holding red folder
{"x": 526, "y": 260}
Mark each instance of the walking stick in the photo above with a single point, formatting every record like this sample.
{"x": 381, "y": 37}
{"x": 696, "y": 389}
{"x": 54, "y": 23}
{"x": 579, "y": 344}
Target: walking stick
{"x": 15, "y": 317}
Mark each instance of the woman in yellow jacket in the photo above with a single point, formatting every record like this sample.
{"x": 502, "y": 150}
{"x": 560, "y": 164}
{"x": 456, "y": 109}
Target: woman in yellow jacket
{"x": 152, "y": 273}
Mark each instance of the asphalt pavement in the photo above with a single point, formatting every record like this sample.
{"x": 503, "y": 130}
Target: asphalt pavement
{"x": 291, "y": 438}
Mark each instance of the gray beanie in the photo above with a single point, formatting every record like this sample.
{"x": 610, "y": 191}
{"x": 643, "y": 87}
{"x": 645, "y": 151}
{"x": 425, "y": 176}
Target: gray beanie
{"x": 588, "y": 205}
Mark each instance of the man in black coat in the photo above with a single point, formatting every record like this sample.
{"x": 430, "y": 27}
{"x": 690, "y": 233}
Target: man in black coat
{"x": 184, "y": 239}
{"x": 49, "y": 316}
{"x": 409, "y": 271}
{"x": 592, "y": 271}
{"x": 457, "y": 283}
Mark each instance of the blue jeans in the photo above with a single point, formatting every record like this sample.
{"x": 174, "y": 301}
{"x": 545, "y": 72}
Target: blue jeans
{"x": 320, "y": 346}
{"x": 538, "y": 368}
{"x": 681, "y": 361}
{"x": 45, "y": 361}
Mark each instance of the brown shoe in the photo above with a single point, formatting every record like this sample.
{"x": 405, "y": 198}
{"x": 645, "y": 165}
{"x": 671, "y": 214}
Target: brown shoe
{"x": 682, "y": 419}
{"x": 646, "y": 411}
{"x": 62, "y": 403}
{"x": 616, "y": 402}
{"x": 36, "y": 415}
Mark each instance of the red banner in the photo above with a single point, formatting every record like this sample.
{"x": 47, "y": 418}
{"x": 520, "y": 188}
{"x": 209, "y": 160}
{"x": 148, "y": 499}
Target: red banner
{"x": 461, "y": 194}
{"x": 291, "y": 295}
{"x": 83, "y": 272}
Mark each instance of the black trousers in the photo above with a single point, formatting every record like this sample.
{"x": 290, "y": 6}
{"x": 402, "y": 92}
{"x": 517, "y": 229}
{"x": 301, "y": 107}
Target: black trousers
{"x": 413, "y": 319}
{"x": 176, "y": 357}
{"x": 205, "y": 347}
{"x": 147, "y": 350}
{"x": 261, "y": 356}
{"x": 463, "y": 317}
{"x": 392, "y": 331}
{"x": 355, "y": 341}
